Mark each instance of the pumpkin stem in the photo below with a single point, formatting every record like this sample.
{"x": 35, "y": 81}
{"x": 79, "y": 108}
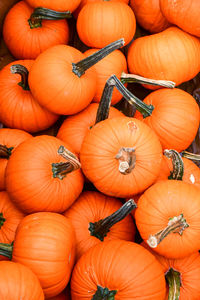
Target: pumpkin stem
{"x": 23, "y": 72}
{"x": 2, "y": 220}
{"x": 130, "y": 78}
{"x": 175, "y": 225}
{"x": 6, "y": 250}
{"x": 41, "y": 13}
{"x": 5, "y": 152}
{"x": 177, "y": 162}
{"x": 174, "y": 281}
{"x": 104, "y": 294}
{"x": 80, "y": 67}
{"x": 191, "y": 156}
{"x": 127, "y": 158}
{"x": 60, "y": 170}
{"x": 101, "y": 228}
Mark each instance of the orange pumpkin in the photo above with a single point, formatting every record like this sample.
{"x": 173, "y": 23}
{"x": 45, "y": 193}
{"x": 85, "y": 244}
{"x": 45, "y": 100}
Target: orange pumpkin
{"x": 100, "y": 23}
{"x": 27, "y": 35}
{"x": 18, "y": 108}
{"x": 9, "y": 140}
{"x": 168, "y": 218}
{"x": 121, "y": 156}
{"x": 59, "y": 5}
{"x": 148, "y": 15}
{"x": 92, "y": 218}
{"x": 38, "y": 178}
{"x": 118, "y": 270}
{"x": 167, "y": 55}
{"x": 18, "y": 282}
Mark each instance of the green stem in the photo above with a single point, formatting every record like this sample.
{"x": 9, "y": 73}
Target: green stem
{"x": 6, "y": 250}
{"x": 41, "y": 13}
{"x": 2, "y": 220}
{"x": 174, "y": 281}
{"x": 23, "y": 72}
{"x": 60, "y": 170}
{"x": 191, "y": 156}
{"x": 104, "y": 294}
{"x": 177, "y": 162}
{"x": 175, "y": 225}
{"x": 80, "y": 67}
{"x": 5, "y": 152}
{"x": 131, "y": 78}
{"x": 101, "y": 228}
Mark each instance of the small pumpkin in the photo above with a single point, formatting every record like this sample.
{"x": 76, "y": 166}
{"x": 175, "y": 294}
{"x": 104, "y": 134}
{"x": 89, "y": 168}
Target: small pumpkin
{"x": 59, "y": 5}
{"x": 18, "y": 282}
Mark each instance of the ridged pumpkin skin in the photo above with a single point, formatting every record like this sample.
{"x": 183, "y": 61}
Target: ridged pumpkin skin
{"x": 56, "y": 87}
{"x": 104, "y": 141}
{"x": 9, "y": 138}
{"x": 18, "y": 108}
{"x": 118, "y": 265}
{"x": 114, "y": 63}
{"x": 91, "y": 207}
{"x": 169, "y": 55}
{"x": 45, "y": 243}
{"x": 191, "y": 171}
{"x": 101, "y": 23}
{"x": 183, "y": 13}
{"x": 74, "y": 128}
{"x": 18, "y": 282}
{"x": 165, "y": 200}
{"x": 29, "y": 177}
{"x": 175, "y": 118}
{"x": 148, "y": 15}
{"x": 26, "y": 43}
{"x": 59, "y": 5}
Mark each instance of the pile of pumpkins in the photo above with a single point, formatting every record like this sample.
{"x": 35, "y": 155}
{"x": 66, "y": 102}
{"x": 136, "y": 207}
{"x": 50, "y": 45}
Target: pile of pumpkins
{"x": 105, "y": 205}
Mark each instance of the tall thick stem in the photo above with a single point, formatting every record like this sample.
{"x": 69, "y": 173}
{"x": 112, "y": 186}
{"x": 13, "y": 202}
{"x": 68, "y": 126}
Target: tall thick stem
{"x": 191, "y": 156}
{"x": 60, "y": 170}
{"x": 177, "y": 162}
{"x": 5, "y": 152}
{"x": 23, "y": 72}
{"x": 86, "y": 63}
{"x": 104, "y": 294}
{"x": 174, "y": 281}
{"x": 175, "y": 225}
{"x": 131, "y": 78}
{"x": 6, "y": 250}
{"x": 41, "y": 13}
{"x": 101, "y": 228}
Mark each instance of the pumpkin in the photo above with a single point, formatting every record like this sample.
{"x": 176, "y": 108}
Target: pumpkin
{"x": 121, "y": 156}
{"x": 168, "y": 218}
{"x": 59, "y": 5}
{"x": 61, "y": 79}
{"x": 18, "y": 108}
{"x": 38, "y": 178}
{"x": 97, "y": 218}
{"x": 182, "y": 13}
{"x": 100, "y": 23}
{"x": 9, "y": 140}
{"x": 26, "y": 34}
{"x": 45, "y": 243}
{"x": 118, "y": 270}
{"x": 167, "y": 55}
{"x": 74, "y": 128}
{"x": 148, "y": 15}
{"x": 18, "y": 282}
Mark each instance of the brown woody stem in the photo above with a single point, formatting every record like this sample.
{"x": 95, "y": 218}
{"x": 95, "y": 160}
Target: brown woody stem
{"x": 127, "y": 158}
{"x": 177, "y": 162}
{"x": 101, "y": 228}
{"x": 175, "y": 225}
{"x": 86, "y": 63}
{"x": 174, "y": 281}
{"x": 131, "y": 78}
{"x": 23, "y": 72}
{"x": 104, "y": 294}
{"x": 191, "y": 156}
{"x": 60, "y": 170}
{"x": 6, "y": 250}
{"x": 41, "y": 13}
{"x": 5, "y": 152}
{"x": 2, "y": 220}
